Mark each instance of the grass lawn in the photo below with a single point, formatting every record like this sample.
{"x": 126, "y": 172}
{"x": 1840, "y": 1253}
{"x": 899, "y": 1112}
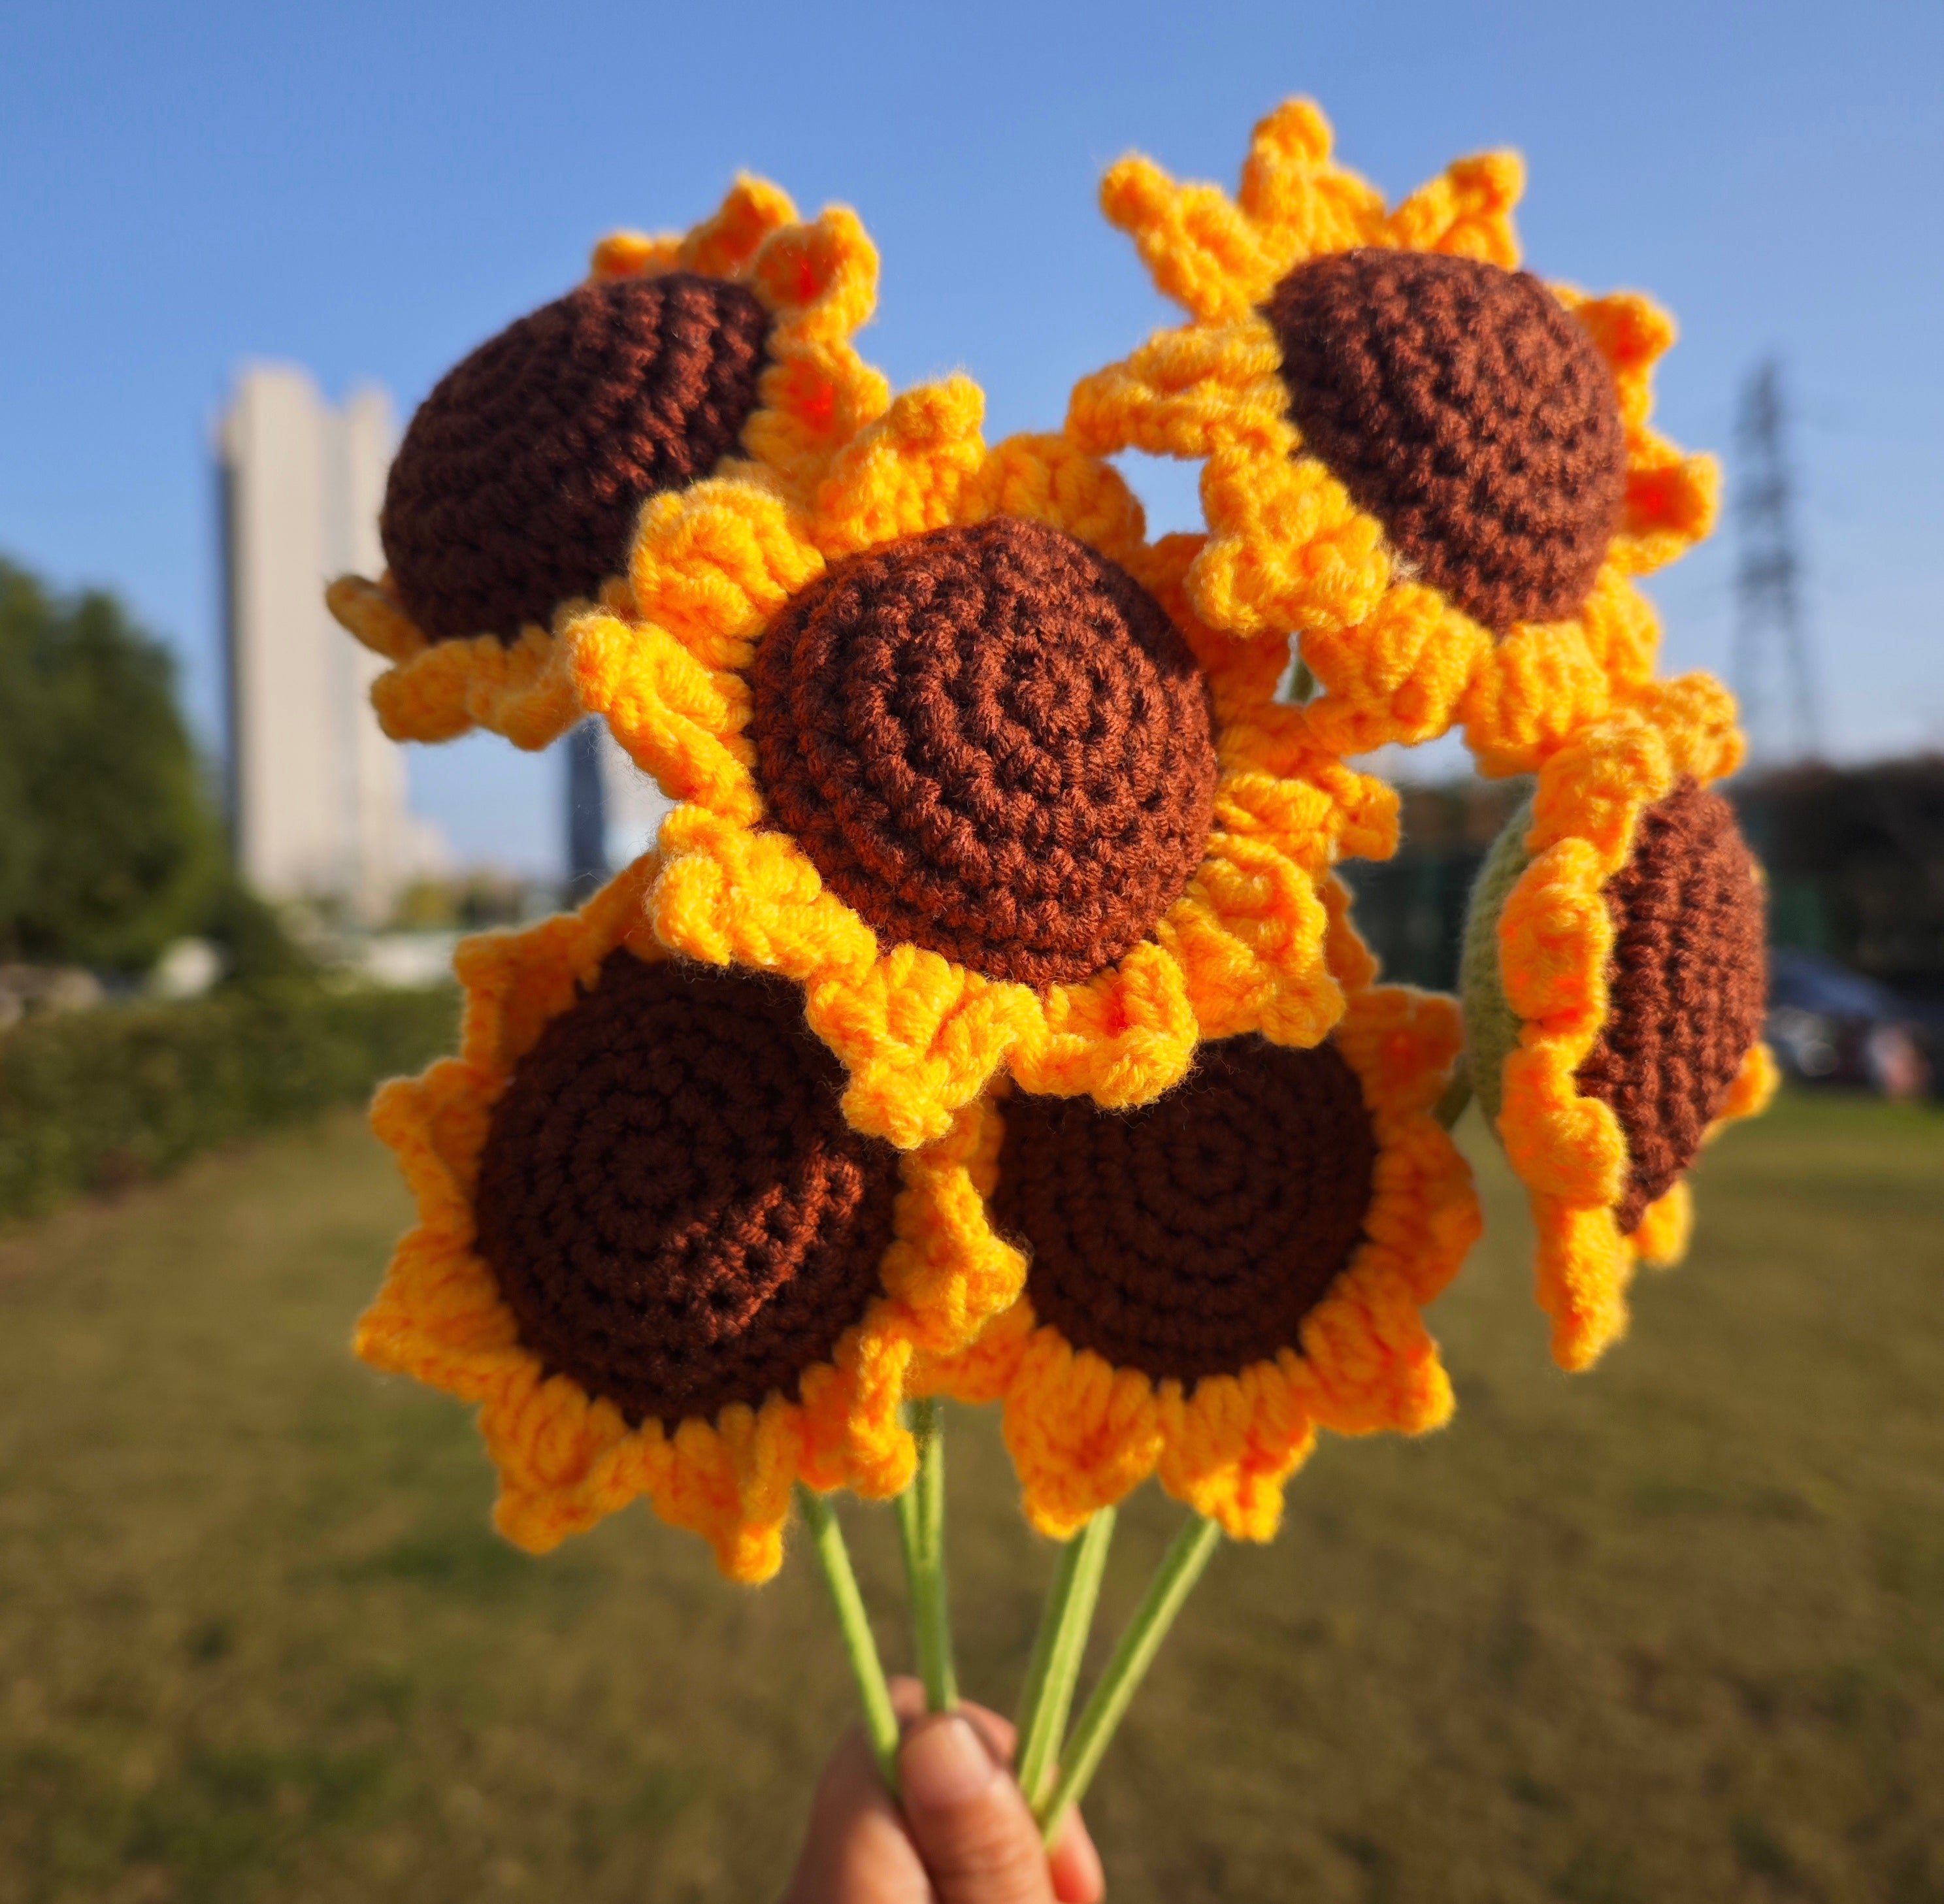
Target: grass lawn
{"x": 1671, "y": 1631}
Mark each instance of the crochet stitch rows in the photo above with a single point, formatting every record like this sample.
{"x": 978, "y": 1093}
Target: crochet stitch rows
{"x": 673, "y": 1209}
{"x": 1465, "y": 408}
{"x": 993, "y": 743}
{"x": 518, "y": 483}
{"x": 1164, "y": 1239}
{"x": 1688, "y": 978}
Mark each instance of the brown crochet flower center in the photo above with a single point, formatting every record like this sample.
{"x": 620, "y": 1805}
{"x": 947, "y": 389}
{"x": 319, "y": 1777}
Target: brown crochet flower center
{"x": 1464, "y": 407}
{"x": 1192, "y": 1237}
{"x": 992, "y": 743}
{"x": 519, "y": 479}
{"x": 676, "y": 1212}
{"x": 1688, "y": 981}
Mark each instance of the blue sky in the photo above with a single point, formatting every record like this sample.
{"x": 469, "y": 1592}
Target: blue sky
{"x": 370, "y": 190}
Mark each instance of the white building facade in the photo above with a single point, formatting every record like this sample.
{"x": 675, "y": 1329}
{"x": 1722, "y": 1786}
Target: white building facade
{"x": 318, "y": 801}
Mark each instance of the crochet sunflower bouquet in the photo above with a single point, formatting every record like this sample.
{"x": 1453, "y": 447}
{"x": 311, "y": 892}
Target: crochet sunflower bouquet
{"x": 988, "y": 1020}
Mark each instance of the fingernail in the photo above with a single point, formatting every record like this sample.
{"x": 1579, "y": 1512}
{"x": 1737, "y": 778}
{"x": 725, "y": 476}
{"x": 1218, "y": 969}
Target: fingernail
{"x": 943, "y": 1764}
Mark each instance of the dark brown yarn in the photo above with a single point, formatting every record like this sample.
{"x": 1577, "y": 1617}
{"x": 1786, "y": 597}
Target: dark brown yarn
{"x": 993, "y": 743}
{"x": 1689, "y": 979}
{"x": 520, "y": 478}
{"x": 1192, "y": 1238}
{"x": 1466, "y": 409}
{"x": 674, "y": 1209}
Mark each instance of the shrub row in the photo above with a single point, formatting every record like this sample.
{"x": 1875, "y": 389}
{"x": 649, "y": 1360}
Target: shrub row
{"x": 95, "y": 1100}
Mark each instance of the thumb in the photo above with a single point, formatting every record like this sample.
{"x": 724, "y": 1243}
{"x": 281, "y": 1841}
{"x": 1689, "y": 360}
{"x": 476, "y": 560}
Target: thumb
{"x": 971, "y": 1824}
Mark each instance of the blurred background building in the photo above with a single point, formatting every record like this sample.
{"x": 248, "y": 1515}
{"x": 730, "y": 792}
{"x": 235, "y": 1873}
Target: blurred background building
{"x": 317, "y": 800}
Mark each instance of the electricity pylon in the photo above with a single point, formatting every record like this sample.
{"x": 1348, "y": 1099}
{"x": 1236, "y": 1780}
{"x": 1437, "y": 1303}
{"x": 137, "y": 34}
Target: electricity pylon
{"x": 1771, "y": 658}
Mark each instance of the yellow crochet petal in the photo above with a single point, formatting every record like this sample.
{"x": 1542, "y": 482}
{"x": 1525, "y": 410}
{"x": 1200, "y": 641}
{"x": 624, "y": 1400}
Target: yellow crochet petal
{"x": 1554, "y": 938}
{"x": 1673, "y": 501}
{"x": 1661, "y": 1237}
{"x": 1183, "y": 393}
{"x": 1540, "y": 686}
{"x": 906, "y": 474}
{"x": 1401, "y": 674}
{"x": 711, "y": 563}
{"x": 1301, "y": 202}
{"x": 1229, "y": 1448}
{"x": 719, "y": 247}
{"x": 1051, "y": 479}
{"x": 1293, "y": 551}
{"x": 368, "y": 611}
{"x": 1584, "y": 1267}
{"x": 1465, "y": 211}
{"x": 1584, "y": 813}
{"x": 921, "y": 1037}
{"x": 1123, "y": 1036}
{"x": 1248, "y": 936}
{"x": 1200, "y": 249}
{"x": 678, "y": 720}
{"x": 1082, "y": 1434}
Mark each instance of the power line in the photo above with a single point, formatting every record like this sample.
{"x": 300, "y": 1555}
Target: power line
{"x": 1773, "y": 674}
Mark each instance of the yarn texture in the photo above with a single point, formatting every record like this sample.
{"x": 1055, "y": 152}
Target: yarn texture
{"x": 955, "y": 755}
{"x": 1629, "y": 954}
{"x": 1440, "y": 473}
{"x": 1462, "y": 407}
{"x": 518, "y": 483}
{"x": 1218, "y": 1276}
{"x": 1160, "y": 1240}
{"x": 651, "y": 1251}
{"x": 1688, "y": 985}
{"x": 671, "y": 1206}
{"x": 514, "y": 496}
{"x": 993, "y": 743}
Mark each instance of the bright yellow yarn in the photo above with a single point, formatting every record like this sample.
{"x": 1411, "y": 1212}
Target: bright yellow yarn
{"x": 566, "y": 1458}
{"x": 818, "y": 281}
{"x": 921, "y": 1035}
{"x": 1288, "y": 550}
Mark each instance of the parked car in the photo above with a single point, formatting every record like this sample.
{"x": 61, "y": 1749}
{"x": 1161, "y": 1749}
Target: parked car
{"x": 1829, "y": 1025}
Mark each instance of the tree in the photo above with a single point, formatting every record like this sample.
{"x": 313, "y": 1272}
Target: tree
{"x": 109, "y": 845}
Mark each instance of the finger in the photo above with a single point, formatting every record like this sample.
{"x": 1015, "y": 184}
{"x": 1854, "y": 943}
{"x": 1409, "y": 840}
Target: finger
{"x": 1000, "y": 1734}
{"x": 857, "y": 1850}
{"x": 971, "y": 1825}
{"x": 1078, "y": 1878}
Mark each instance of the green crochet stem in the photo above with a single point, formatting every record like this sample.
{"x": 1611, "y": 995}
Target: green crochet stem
{"x": 1180, "y": 1568}
{"x": 1064, "y": 1621}
{"x": 881, "y": 1723}
{"x": 921, "y": 1510}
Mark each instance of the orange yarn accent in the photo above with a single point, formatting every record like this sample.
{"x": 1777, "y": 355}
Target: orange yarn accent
{"x": 566, "y": 1458}
{"x": 1288, "y": 549}
{"x": 1083, "y": 1433}
{"x": 1554, "y": 936}
{"x": 818, "y": 280}
{"x": 921, "y": 1035}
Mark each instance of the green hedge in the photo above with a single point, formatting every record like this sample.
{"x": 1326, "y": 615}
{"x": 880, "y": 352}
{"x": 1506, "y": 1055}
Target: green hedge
{"x": 95, "y": 1100}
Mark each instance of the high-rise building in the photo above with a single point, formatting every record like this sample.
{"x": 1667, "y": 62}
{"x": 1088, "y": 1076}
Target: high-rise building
{"x": 614, "y": 810}
{"x": 318, "y": 799}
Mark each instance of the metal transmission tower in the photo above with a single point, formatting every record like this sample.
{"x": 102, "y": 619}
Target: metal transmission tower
{"x": 1771, "y": 642}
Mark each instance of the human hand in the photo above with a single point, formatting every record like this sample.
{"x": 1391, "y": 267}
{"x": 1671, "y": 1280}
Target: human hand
{"x": 965, "y": 1835}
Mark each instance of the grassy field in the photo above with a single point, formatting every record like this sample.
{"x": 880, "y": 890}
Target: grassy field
{"x": 1672, "y": 1630}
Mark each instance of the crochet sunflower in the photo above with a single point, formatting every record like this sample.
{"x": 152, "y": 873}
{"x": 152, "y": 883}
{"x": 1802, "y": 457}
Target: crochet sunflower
{"x": 1614, "y": 978}
{"x": 651, "y": 1249}
{"x": 947, "y": 759}
{"x": 1433, "y": 469}
{"x": 1216, "y": 1276}
{"x": 514, "y": 495}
